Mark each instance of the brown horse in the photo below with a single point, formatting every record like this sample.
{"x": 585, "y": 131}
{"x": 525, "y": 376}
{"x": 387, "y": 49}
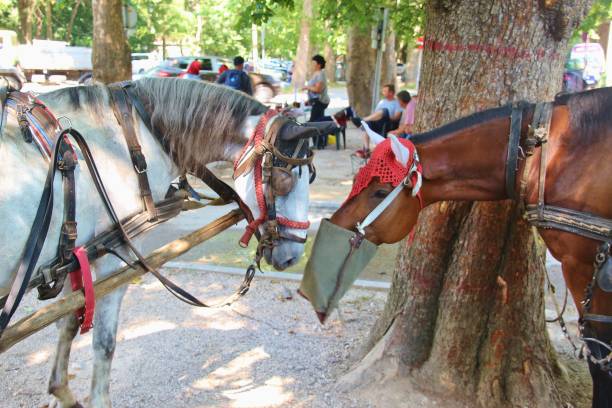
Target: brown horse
{"x": 466, "y": 160}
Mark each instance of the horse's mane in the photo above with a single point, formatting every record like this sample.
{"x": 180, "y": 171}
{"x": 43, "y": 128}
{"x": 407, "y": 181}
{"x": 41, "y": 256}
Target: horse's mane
{"x": 590, "y": 112}
{"x": 195, "y": 119}
{"x": 187, "y": 112}
{"x": 463, "y": 123}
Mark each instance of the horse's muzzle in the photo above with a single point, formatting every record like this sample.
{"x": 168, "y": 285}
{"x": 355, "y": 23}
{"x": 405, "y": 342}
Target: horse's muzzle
{"x": 338, "y": 257}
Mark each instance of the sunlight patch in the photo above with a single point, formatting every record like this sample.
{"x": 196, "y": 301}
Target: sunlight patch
{"x": 38, "y": 357}
{"x": 269, "y": 395}
{"x": 146, "y": 328}
{"x": 236, "y": 369}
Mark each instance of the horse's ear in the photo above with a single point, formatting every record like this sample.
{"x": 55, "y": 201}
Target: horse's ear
{"x": 401, "y": 152}
{"x": 292, "y": 131}
{"x": 374, "y": 137}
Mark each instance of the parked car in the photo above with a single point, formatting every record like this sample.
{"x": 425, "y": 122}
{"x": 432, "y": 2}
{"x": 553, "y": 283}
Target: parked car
{"x": 208, "y": 70}
{"x": 162, "y": 71}
{"x": 265, "y": 87}
{"x": 143, "y": 61}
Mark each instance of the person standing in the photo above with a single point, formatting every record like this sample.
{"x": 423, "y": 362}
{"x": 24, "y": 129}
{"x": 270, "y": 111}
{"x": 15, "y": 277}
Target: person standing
{"x": 317, "y": 90}
{"x": 236, "y": 78}
{"x": 193, "y": 71}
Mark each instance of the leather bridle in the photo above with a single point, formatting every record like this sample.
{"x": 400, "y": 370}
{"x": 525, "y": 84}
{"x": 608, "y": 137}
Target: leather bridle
{"x": 273, "y": 177}
{"x": 546, "y": 216}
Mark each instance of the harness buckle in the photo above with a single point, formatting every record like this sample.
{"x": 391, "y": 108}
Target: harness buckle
{"x": 139, "y": 162}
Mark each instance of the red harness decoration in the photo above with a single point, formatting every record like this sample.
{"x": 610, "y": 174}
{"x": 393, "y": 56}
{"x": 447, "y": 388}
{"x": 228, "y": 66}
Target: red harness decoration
{"x": 256, "y": 140}
{"x": 81, "y": 279}
{"x": 384, "y": 166}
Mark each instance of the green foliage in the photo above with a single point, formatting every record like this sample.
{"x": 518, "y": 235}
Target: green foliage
{"x": 260, "y": 11}
{"x": 82, "y": 31}
{"x": 8, "y": 15}
{"x": 159, "y": 19}
{"x": 406, "y": 16}
{"x": 600, "y": 13}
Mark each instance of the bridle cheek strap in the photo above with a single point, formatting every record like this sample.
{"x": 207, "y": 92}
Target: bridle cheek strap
{"x": 414, "y": 178}
{"x": 257, "y": 140}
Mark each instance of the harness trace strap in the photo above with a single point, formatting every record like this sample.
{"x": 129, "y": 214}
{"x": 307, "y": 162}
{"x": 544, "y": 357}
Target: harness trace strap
{"x": 80, "y": 278}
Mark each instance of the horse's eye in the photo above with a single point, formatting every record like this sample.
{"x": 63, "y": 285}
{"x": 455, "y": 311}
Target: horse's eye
{"x": 381, "y": 193}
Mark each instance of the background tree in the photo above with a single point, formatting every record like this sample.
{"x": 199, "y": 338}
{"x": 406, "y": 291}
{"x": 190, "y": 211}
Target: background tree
{"x": 464, "y": 318}
{"x": 111, "y": 51}
{"x": 303, "y": 55}
{"x": 26, "y": 14}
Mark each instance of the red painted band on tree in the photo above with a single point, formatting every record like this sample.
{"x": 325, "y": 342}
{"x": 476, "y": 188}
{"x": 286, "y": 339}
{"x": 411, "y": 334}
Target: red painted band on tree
{"x": 492, "y": 49}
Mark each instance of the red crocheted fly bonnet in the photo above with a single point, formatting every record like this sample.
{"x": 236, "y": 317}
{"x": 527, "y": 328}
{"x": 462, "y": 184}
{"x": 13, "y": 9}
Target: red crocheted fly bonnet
{"x": 383, "y": 165}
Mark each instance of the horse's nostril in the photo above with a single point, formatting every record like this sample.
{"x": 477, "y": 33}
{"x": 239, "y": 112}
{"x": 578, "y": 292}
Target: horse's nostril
{"x": 287, "y": 263}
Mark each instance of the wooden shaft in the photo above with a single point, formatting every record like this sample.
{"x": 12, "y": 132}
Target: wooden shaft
{"x": 50, "y": 313}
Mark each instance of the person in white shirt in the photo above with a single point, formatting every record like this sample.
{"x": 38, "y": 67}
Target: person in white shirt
{"x": 385, "y": 118}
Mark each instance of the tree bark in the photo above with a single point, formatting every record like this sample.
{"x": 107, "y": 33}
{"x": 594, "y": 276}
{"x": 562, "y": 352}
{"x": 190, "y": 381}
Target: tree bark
{"x": 39, "y": 22}
{"x": 389, "y": 65}
{"x": 302, "y": 57}
{"x": 25, "y": 9}
{"x": 49, "y": 18}
{"x": 111, "y": 51}
{"x": 330, "y": 59}
{"x": 464, "y": 319}
{"x": 361, "y": 58}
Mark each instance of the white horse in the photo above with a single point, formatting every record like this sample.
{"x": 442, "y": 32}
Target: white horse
{"x": 200, "y": 123}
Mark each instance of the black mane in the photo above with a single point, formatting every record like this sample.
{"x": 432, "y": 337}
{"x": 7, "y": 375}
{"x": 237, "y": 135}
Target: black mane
{"x": 463, "y": 123}
{"x": 590, "y": 111}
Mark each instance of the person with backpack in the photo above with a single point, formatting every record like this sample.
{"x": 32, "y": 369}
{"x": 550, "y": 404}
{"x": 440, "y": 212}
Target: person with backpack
{"x": 236, "y": 78}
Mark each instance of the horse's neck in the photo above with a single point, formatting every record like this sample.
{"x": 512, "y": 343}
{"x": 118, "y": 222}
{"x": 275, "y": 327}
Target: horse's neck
{"x": 466, "y": 164}
{"x": 106, "y": 139}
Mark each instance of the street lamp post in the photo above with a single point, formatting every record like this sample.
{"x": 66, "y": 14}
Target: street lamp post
{"x": 378, "y": 43}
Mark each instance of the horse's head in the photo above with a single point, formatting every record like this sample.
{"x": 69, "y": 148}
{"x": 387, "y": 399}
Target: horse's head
{"x": 272, "y": 178}
{"x": 382, "y": 207}
{"x": 391, "y": 174}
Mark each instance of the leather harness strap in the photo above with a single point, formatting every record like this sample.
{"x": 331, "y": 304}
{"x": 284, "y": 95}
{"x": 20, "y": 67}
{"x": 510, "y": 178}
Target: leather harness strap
{"x": 4, "y": 90}
{"x": 203, "y": 173}
{"x": 548, "y": 216}
{"x": 123, "y": 112}
{"x": 516, "y": 120}
{"x": 34, "y": 243}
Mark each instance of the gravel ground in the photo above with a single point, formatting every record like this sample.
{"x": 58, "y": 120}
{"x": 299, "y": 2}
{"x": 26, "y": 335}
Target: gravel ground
{"x": 264, "y": 351}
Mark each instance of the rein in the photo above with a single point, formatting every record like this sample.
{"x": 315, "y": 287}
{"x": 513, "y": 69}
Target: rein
{"x": 33, "y": 115}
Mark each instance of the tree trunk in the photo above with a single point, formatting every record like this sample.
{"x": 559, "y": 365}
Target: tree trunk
{"x": 302, "y": 57}
{"x": 464, "y": 320}
{"x": 25, "y": 9}
{"x": 361, "y": 58}
{"x": 111, "y": 51}
{"x": 49, "y": 18}
{"x": 389, "y": 64}
{"x": 39, "y": 22}
{"x": 73, "y": 15}
{"x": 330, "y": 59}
